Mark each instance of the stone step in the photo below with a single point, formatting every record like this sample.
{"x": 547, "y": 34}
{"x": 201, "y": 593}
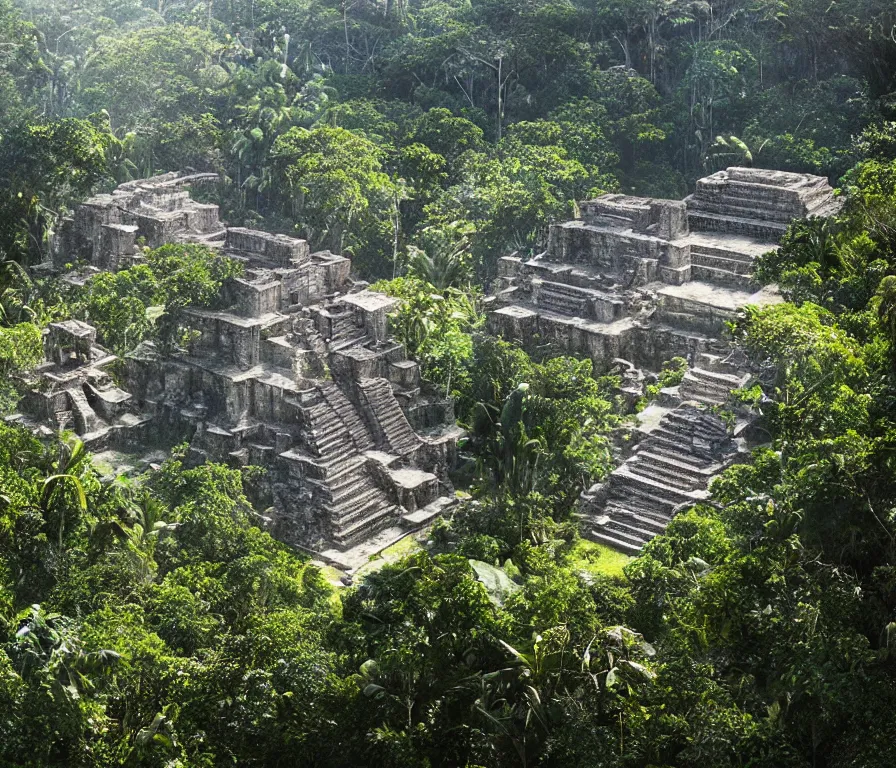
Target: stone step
{"x": 674, "y": 453}
{"x": 624, "y": 478}
{"x": 675, "y": 425}
{"x": 713, "y": 222}
{"x": 745, "y": 207}
{"x": 636, "y": 517}
{"x": 337, "y": 345}
{"x": 731, "y": 248}
{"x": 674, "y": 464}
{"x": 427, "y": 514}
{"x": 641, "y": 501}
{"x": 722, "y": 379}
{"x": 324, "y": 427}
{"x": 614, "y": 543}
{"x": 714, "y": 388}
{"x": 366, "y": 528}
{"x": 628, "y": 532}
{"x": 348, "y": 480}
{"x": 561, "y": 302}
{"x": 728, "y": 260}
{"x": 340, "y": 466}
{"x": 662, "y": 440}
{"x": 339, "y": 442}
{"x": 346, "y": 513}
{"x": 778, "y": 199}
{"x": 644, "y": 467}
{"x": 766, "y": 199}
{"x": 716, "y": 364}
{"x": 651, "y": 494}
{"x": 694, "y": 386}
{"x": 321, "y": 429}
{"x": 697, "y": 394}
{"x": 357, "y": 493}
{"x": 698, "y": 418}
{"x": 397, "y": 431}
{"x": 349, "y": 415}
{"x": 568, "y": 290}
{"x": 625, "y": 532}
{"x": 344, "y": 518}
{"x": 723, "y": 277}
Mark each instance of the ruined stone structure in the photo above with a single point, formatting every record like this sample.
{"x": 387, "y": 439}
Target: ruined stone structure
{"x": 106, "y": 230}
{"x": 646, "y": 280}
{"x": 73, "y": 390}
{"x": 298, "y": 375}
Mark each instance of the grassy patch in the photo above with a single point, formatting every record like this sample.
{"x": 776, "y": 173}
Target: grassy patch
{"x": 399, "y": 550}
{"x": 598, "y": 559}
{"x": 407, "y": 546}
{"x": 331, "y": 574}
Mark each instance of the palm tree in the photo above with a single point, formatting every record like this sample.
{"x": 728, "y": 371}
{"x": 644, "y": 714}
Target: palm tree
{"x": 819, "y": 239}
{"x": 519, "y": 702}
{"x": 16, "y": 288}
{"x": 505, "y": 455}
{"x": 444, "y": 267}
{"x": 48, "y": 649}
{"x": 71, "y": 467}
{"x": 731, "y": 150}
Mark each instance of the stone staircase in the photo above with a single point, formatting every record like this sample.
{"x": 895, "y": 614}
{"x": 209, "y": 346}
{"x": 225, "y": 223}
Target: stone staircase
{"x": 356, "y": 507}
{"x": 746, "y": 204}
{"x": 389, "y": 420}
{"x": 702, "y": 221}
{"x": 561, "y": 298}
{"x": 709, "y": 387}
{"x": 359, "y": 508}
{"x": 671, "y": 467}
{"x": 84, "y": 416}
{"x": 346, "y": 333}
{"x": 338, "y": 328}
{"x": 719, "y": 266}
{"x": 348, "y": 414}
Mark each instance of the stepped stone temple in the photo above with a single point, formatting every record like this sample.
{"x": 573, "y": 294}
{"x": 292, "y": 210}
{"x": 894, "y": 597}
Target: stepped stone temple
{"x": 298, "y": 375}
{"x": 637, "y": 281}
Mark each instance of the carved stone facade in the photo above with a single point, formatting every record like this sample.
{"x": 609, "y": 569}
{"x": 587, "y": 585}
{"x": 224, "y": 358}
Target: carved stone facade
{"x": 298, "y": 376}
{"x": 644, "y": 280}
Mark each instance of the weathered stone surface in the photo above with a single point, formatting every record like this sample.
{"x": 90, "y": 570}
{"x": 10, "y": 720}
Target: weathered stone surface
{"x": 646, "y": 279}
{"x": 105, "y": 229}
{"x": 757, "y": 203}
{"x": 670, "y": 469}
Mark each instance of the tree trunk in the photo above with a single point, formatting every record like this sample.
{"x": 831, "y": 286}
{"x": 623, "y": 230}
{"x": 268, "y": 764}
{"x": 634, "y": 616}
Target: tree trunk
{"x": 500, "y": 88}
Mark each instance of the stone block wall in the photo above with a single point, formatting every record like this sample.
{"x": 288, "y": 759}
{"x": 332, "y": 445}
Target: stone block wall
{"x": 257, "y": 296}
{"x": 758, "y": 203}
{"x": 159, "y": 208}
{"x": 666, "y": 219}
{"x": 265, "y": 248}
{"x": 116, "y": 241}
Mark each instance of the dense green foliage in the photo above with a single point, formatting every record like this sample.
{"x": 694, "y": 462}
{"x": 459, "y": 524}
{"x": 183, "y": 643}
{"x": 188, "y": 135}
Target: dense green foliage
{"x": 364, "y": 126}
{"x": 144, "y": 300}
{"x": 151, "y": 622}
